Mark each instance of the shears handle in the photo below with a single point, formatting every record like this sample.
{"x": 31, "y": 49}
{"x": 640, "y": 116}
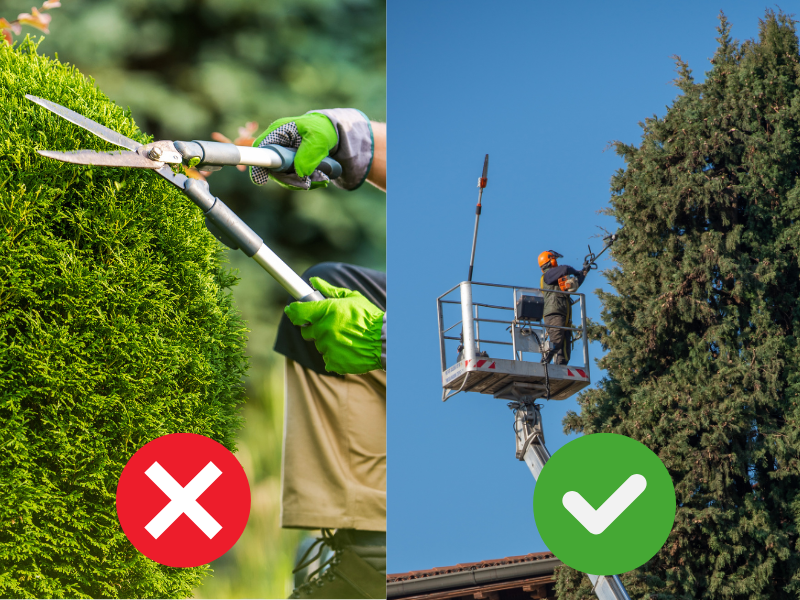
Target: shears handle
{"x": 229, "y": 229}
{"x": 272, "y": 157}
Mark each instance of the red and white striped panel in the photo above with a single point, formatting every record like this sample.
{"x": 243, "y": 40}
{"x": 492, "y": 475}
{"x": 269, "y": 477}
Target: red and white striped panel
{"x": 481, "y": 362}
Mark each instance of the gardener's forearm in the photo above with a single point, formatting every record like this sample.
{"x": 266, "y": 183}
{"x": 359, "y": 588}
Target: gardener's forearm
{"x": 377, "y": 172}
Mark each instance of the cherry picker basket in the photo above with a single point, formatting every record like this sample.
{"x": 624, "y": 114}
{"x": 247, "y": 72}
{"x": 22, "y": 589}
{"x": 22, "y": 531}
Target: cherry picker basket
{"x": 491, "y": 347}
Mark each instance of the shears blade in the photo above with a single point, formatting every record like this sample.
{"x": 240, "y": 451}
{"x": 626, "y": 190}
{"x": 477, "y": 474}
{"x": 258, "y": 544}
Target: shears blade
{"x": 103, "y": 159}
{"x": 100, "y": 131}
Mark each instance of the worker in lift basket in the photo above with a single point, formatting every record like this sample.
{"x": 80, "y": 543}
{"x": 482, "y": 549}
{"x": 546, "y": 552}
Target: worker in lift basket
{"x": 558, "y": 307}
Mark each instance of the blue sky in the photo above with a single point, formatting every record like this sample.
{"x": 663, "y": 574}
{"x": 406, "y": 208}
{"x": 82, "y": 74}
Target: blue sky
{"x": 543, "y": 88}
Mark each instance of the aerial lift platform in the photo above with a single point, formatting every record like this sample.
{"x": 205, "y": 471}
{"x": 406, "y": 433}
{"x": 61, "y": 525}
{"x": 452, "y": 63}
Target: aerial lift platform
{"x": 496, "y": 376}
{"x": 489, "y": 347}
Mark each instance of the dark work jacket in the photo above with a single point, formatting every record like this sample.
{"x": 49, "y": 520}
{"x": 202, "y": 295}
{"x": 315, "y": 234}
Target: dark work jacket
{"x": 558, "y": 303}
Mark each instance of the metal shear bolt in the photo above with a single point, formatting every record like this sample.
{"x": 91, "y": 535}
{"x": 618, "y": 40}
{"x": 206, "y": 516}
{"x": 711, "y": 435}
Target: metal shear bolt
{"x": 155, "y": 153}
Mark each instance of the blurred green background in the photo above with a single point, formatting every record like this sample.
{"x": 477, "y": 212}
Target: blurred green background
{"x": 187, "y": 69}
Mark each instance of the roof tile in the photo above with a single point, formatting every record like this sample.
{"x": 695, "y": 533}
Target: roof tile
{"x": 509, "y": 560}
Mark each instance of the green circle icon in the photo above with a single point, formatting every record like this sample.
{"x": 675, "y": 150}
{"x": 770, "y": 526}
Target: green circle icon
{"x": 604, "y": 504}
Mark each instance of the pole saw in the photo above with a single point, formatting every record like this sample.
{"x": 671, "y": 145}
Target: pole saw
{"x": 589, "y": 259}
{"x": 481, "y": 185}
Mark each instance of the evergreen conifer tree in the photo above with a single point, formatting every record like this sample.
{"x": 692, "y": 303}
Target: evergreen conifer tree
{"x": 116, "y": 327}
{"x": 703, "y": 333}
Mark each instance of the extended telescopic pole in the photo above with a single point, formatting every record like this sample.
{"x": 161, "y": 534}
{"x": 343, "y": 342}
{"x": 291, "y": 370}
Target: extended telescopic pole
{"x": 481, "y": 185}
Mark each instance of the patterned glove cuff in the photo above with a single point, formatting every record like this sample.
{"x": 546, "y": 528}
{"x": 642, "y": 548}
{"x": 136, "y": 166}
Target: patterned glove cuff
{"x": 355, "y": 148}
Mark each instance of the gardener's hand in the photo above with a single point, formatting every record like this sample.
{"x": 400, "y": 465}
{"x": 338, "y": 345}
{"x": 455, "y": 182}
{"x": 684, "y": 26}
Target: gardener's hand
{"x": 313, "y": 136}
{"x": 344, "y": 134}
{"x": 346, "y": 328}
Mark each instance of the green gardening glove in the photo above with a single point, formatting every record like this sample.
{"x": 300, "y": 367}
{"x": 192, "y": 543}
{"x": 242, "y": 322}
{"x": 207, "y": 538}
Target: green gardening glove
{"x": 313, "y": 136}
{"x": 346, "y": 328}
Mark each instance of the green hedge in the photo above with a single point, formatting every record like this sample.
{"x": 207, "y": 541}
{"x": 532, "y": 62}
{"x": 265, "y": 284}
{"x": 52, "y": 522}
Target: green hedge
{"x": 116, "y": 327}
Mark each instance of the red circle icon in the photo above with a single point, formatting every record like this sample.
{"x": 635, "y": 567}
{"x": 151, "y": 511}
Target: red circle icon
{"x": 183, "y": 500}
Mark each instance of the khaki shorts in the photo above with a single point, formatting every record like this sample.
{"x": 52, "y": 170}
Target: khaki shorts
{"x": 334, "y": 450}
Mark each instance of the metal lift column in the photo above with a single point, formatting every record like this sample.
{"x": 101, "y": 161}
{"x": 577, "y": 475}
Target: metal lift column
{"x": 467, "y": 324}
{"x": 531, "y": 450}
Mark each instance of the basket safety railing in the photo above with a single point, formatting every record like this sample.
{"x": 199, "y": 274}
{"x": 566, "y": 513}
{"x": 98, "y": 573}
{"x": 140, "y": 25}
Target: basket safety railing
{"x": 520, "y": 336}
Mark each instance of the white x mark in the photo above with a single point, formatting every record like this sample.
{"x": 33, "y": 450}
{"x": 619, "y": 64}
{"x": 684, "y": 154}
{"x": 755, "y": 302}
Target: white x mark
{"x": 183, "y": 500}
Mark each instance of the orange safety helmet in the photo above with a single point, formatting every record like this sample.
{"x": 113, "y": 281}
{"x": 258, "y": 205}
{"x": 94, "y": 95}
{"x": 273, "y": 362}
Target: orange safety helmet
{"x": 549, "y": 256}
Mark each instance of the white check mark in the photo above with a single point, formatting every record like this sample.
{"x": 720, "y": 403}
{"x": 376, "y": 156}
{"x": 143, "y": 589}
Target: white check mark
{"x": 596, "y": 521}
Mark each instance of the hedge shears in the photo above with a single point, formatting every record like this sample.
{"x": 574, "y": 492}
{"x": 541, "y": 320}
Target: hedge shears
{"x": 221, "y": 221}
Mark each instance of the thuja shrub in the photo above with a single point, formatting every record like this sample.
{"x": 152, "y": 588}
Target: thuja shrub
{"x": 116, "y": 327}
